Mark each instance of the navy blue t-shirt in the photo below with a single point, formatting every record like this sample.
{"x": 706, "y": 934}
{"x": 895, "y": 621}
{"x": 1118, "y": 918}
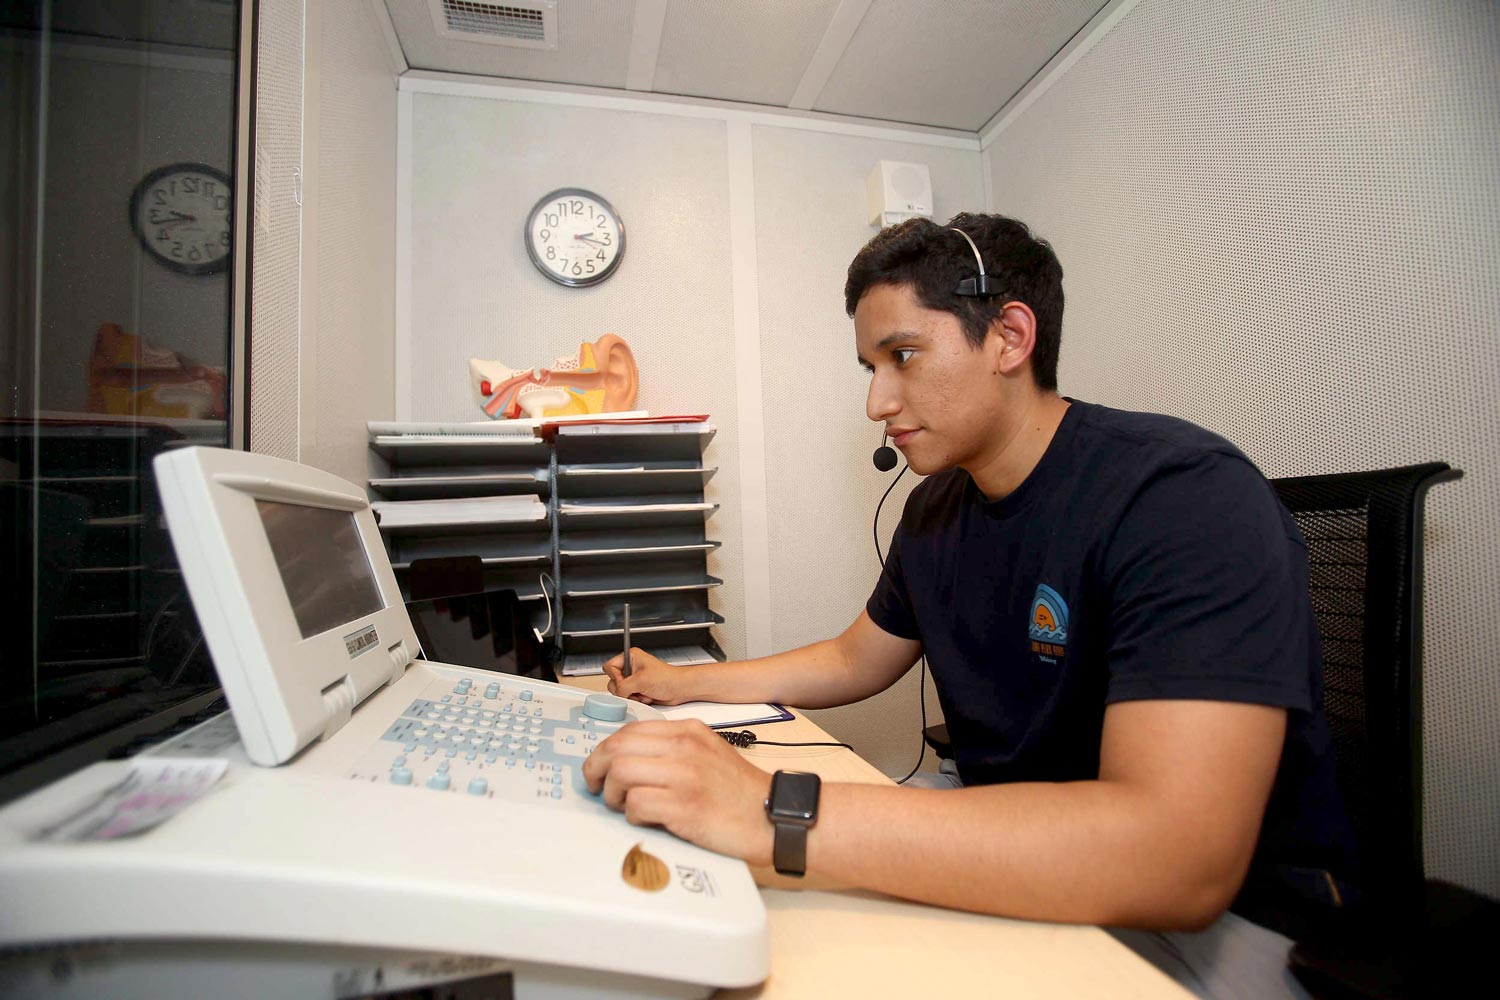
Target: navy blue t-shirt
{"x": 1142, "y": 558}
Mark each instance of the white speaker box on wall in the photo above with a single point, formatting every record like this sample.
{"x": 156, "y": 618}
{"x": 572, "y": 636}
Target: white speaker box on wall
{"x": 899, "y": 191}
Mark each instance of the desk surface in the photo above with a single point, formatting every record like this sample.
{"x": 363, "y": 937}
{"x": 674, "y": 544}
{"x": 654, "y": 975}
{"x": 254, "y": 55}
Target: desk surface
{"x": 865, "y": 942}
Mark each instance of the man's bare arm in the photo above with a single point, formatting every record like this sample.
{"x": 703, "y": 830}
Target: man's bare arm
{"x": 1162, "y": 839}
{"x": 863, "y": 661}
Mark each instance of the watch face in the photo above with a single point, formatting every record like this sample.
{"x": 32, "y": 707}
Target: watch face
{"x": 794, "y": 795}
{"x": 181, "y": 214}
{"x": 575, "y": 237}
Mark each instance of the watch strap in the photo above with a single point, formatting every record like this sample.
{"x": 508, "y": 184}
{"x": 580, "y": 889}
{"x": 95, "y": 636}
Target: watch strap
{"x": 789, "y": 849}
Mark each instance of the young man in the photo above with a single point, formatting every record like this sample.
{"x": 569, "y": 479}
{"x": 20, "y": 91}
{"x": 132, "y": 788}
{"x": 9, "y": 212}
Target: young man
{"x": 1115, "y": 609}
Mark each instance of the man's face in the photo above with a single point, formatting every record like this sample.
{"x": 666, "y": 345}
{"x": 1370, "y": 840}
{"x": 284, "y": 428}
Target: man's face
{"x": 940, "y": 398}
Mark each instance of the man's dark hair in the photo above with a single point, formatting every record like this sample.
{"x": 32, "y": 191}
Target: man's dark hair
{"x": 931, "y": 260}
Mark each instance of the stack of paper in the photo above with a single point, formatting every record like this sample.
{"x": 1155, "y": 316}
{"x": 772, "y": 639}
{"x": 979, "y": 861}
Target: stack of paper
{"x": 466, "y": 510}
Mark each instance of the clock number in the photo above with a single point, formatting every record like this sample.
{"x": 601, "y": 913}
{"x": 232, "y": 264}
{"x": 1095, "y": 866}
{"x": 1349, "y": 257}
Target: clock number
{"x": 190, "y": 185}
{"x": 551, "y": 253}
{"x": 221, "y": 203}
{"x": 552, "y": 219}
{"x": 589, "y": 266}
{"x": 606, "y": 240}
{"x": 599, "y": 255}
{"x": 602, "y": 221}
{"x": 546, "y": 235}
{"x": 160, "y": 195}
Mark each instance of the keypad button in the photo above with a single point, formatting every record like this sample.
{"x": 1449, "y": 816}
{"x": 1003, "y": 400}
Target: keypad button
{"x": 450, "y": 753}
{"x": 557, "y": 779}
{"x": 447, "y": 697}
{"x": 489, "y": 758}
{"x": 443, "y": 767}
{"x": 440, "y": 782}
{"x": 572, "y": 739}
{"x": 510, "y": 763}
{"x": 492, "y": 691}
{"x": 401, "y": 776}
{"x": 478, "y": 786}
{"x": 530, "y": 765}
{"x": 398, "y": 761}
{"x": 557, "y": 793}
{"x": 526, "y": 695}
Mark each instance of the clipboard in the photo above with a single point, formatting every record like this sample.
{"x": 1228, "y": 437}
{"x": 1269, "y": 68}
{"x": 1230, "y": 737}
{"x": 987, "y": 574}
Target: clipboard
{"x": 722, "y": 716}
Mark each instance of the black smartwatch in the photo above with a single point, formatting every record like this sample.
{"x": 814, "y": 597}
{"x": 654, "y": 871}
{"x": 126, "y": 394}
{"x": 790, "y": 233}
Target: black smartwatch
{"x": 792, "y": 808}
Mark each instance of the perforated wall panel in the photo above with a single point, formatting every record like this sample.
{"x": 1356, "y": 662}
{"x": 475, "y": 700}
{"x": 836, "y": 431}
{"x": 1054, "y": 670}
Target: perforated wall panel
{"x": 275, "y": 355}
{"x": 593, "y": 47}
{"x": 748, "y": 50}
{"x": 356, "y": 239}
{"x": 1282, "y": 221}
{"x": 478, "y": 166}
{"x": 822, "y": 488}
{"x": 947, "y": 62}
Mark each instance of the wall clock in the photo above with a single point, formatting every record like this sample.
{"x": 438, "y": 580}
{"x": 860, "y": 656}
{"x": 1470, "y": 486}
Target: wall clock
{"x": 575, "y": 237}
{"x": 181, "y": 213}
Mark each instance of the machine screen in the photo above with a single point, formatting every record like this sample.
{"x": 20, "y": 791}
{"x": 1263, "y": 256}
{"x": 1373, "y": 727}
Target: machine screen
{"x": 322, "y": 563}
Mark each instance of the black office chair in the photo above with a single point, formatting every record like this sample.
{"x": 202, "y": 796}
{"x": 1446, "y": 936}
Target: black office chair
{"x": 1364, "y": 535}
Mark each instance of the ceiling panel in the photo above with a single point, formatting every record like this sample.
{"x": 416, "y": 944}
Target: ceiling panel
{"x": 593, "y": 47}
{"x": 952, "y": 63}
{"x": 739, "y": 50}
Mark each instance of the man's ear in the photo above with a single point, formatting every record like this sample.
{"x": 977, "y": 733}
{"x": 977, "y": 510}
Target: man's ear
{"x": 1012, "y": 337}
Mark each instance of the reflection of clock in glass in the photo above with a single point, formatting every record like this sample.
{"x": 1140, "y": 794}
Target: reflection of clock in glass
{"x": 181, "y": 214}
{"x": 575, "y": 237}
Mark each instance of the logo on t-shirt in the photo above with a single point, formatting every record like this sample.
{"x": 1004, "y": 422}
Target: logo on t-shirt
{"x": 1049, "y": 624}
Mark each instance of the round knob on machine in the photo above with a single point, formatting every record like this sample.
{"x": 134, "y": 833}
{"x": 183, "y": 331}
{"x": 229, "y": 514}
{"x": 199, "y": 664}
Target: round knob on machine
{"x": 604, "y": 707}
{"x": 440, "y": 782}
{"x": 478, "y": 786}
{"x": 401, "y": 776}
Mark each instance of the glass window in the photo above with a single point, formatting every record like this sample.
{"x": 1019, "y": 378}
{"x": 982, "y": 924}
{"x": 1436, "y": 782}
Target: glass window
{"x": 117, "y": 136}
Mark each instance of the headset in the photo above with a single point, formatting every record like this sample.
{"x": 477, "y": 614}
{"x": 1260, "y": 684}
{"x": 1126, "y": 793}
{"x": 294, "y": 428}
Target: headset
{"x": 980, "y": 286}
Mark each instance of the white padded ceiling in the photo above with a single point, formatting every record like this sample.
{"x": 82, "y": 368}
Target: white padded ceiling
{"x": 741, "y": 51}
{"x": 952, "y": 63}
{"x": 593, "y": 47}
{"x": 948, "y": 63}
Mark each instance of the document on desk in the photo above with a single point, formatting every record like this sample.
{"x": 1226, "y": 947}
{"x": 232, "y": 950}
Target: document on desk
{"x": 584, "y": 664}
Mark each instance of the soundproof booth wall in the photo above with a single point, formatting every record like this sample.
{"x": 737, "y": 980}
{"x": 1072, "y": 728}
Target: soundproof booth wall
{"x": 1282, "y": 221}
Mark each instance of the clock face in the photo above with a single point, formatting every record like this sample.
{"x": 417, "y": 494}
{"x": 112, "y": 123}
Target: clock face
{"x": 181, "y": 214}
{"x": 574, "y": 237}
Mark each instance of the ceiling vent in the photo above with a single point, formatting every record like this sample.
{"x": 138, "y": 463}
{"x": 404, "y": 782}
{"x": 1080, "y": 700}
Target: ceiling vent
{"x": 526, "y": 24}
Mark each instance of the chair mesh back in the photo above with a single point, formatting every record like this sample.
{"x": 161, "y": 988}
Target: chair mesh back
{"x": 1338, "y": 563}
{"x": 1364, "y": 543}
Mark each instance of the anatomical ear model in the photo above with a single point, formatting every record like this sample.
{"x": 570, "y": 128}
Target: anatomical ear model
{"x": 600, "y": 378}
{"x": 130, "y": 376}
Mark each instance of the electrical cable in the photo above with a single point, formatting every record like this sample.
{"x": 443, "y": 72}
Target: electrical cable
{"x": 922, "y": 674}
{"x": 744, "y": 738}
